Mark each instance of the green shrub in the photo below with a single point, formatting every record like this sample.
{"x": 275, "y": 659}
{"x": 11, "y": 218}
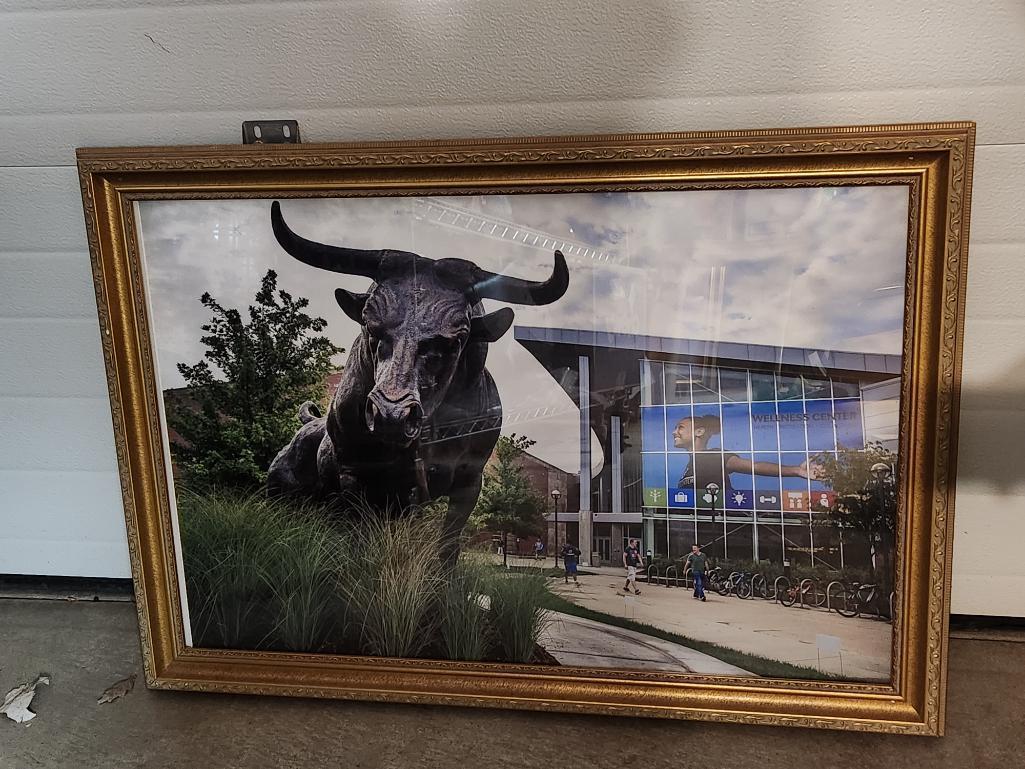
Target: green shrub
{"x": 390, "y": 573}
{"x": 231, "y": 544}
{"x": 302, "y": 579}
{"x": 276, "y": 574}
{"x": 464, "y": 613}
{"x": 517, "y": 615}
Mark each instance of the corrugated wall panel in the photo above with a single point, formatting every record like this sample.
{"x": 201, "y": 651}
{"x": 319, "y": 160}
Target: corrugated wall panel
{"x": 95, "y": 72}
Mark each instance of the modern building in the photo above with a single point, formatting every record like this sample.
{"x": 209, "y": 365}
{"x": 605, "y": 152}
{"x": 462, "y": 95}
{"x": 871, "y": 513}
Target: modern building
{"x": 711, "y": 442}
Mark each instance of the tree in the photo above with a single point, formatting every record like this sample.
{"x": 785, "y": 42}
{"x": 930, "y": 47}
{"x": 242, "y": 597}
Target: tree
{"x": 866, "y": 495}
{"x": 243, "y": 397}
{"x": 507, "y": 503}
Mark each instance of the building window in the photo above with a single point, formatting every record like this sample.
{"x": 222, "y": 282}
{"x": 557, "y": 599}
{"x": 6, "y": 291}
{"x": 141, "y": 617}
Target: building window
{"x": 677, "y": 383}
{"x": 705, "y": 384}
{"x": 734, "y": 385}
{"x": 752, "y": 419}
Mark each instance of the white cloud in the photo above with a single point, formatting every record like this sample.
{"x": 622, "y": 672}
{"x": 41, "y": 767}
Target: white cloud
{"x": 795, "y": 267}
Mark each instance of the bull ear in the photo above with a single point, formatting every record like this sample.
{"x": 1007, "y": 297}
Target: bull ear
{"x": 351, "y": 304}
{"x": 490, "y": 327}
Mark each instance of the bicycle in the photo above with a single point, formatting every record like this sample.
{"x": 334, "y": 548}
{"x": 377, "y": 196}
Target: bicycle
{"x": 792, "y": 593}
{"x": 713, "y": 577}
{"x": 859, "y": 596}
{"x": 738, "y": 583}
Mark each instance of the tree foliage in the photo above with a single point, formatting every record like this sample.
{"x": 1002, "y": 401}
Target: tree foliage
{"x": 241, "y": 400}
{"x": 508, "y": 504}
{"x": 864, "y": 502}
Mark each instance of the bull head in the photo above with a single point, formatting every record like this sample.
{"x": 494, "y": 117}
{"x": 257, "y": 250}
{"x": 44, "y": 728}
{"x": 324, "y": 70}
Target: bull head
{"x": 418, "y": 317}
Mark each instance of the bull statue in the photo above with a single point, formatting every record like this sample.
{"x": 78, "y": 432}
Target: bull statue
{"x": 416, "y": 413}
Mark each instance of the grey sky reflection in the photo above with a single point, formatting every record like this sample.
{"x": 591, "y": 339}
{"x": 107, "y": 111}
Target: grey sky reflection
{"x": 797, "y": 267}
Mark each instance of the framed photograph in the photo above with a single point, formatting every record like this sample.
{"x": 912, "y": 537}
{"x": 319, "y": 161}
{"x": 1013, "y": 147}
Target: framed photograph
{"x": 657, "y": 425}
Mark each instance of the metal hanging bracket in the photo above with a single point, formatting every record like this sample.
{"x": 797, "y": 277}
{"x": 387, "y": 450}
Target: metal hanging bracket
{"x": 270, "y": 132}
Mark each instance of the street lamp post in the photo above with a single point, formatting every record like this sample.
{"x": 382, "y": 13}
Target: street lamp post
{"x": 555, "y": 497}
{"x": 882, "y": 487}
{"x": 711, "y": 490}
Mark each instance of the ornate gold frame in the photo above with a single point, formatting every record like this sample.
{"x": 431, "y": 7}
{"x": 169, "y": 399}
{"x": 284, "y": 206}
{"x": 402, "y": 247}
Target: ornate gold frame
{"x": 935, "y": 160}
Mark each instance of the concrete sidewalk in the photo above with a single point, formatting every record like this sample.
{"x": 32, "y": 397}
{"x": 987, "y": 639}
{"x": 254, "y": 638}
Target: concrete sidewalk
{"x": 755, "y": 626}
{"x": 587, "y": 643}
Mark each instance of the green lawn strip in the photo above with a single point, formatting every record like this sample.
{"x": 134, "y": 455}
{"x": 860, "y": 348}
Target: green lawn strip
{"x": 761, "y": 666}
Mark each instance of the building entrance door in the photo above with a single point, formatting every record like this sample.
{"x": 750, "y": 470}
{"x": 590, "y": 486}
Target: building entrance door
{"x": 603, "y": 547}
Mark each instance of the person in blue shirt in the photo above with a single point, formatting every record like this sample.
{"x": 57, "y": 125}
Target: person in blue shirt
{"x": 570, "y": 557}
{"x": 696, "y": 562}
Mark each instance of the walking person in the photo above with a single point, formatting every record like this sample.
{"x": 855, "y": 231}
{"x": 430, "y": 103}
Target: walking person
{"x": 570, "y": 557}
{"x": 632, "y": 560}
{"x": 696, "y": 561}
{"x": 539, "y": 550}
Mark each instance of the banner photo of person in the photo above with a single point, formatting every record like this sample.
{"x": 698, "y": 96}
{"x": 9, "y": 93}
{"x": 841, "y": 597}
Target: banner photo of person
{"x": 730, "y": 440}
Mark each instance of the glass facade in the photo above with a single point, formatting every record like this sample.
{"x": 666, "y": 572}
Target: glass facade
{"x": 728, "y": 456}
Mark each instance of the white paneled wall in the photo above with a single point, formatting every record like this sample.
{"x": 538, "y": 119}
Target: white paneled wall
{"x": 100, "y": 72}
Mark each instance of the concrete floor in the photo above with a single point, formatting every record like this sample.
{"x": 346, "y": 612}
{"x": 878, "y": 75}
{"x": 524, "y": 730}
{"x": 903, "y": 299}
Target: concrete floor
{"x": 87, "y": 646}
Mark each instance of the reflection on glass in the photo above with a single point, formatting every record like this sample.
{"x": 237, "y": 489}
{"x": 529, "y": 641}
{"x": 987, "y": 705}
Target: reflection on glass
{"x": 763, "y": 386}
{"x": 846, "y": 389}
{"x": 651, "y": 383}
{"x": 816, "y": 388}
{"x": 734, "y": 385}
{"x": 788, "y": 387}
{"x": 705, "y": 384}
{"x": 677, "y": 382}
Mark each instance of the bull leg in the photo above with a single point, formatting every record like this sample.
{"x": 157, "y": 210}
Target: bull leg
{"x": 461, "y": 502}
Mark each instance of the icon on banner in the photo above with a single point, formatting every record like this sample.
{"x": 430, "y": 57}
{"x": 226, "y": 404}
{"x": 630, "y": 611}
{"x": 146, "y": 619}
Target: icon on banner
{"x": 654, "y": 496}
{"x": 739, "y": 500}
{"x": 823, "y": 500}
{"x": 681, "y": 498}
{"x": 796, "y": 500}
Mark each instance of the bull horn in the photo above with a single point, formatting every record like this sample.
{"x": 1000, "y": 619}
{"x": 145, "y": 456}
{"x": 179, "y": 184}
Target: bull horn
{"x": 488, "y": 285}
{"x": 350, "y": 261}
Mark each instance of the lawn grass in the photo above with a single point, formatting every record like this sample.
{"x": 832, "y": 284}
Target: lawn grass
{"x": 760, "y": 666}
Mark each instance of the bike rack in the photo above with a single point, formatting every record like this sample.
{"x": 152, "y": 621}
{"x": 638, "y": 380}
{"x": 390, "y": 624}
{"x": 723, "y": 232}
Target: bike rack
{"x": 803, "y": 588}
{"x": 766, "y": 581}
{"x": 892, "y": 616}
{"x": 829, "y": 592}
{"x": 649, "y": 577}
{"x": 775, "y": 587}
{"x": 688, "y": 581}
{"x": 676, "y": 575}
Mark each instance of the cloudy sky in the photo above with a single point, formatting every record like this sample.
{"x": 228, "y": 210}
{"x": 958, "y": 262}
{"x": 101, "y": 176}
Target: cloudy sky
{"x": 818, "y": 267}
